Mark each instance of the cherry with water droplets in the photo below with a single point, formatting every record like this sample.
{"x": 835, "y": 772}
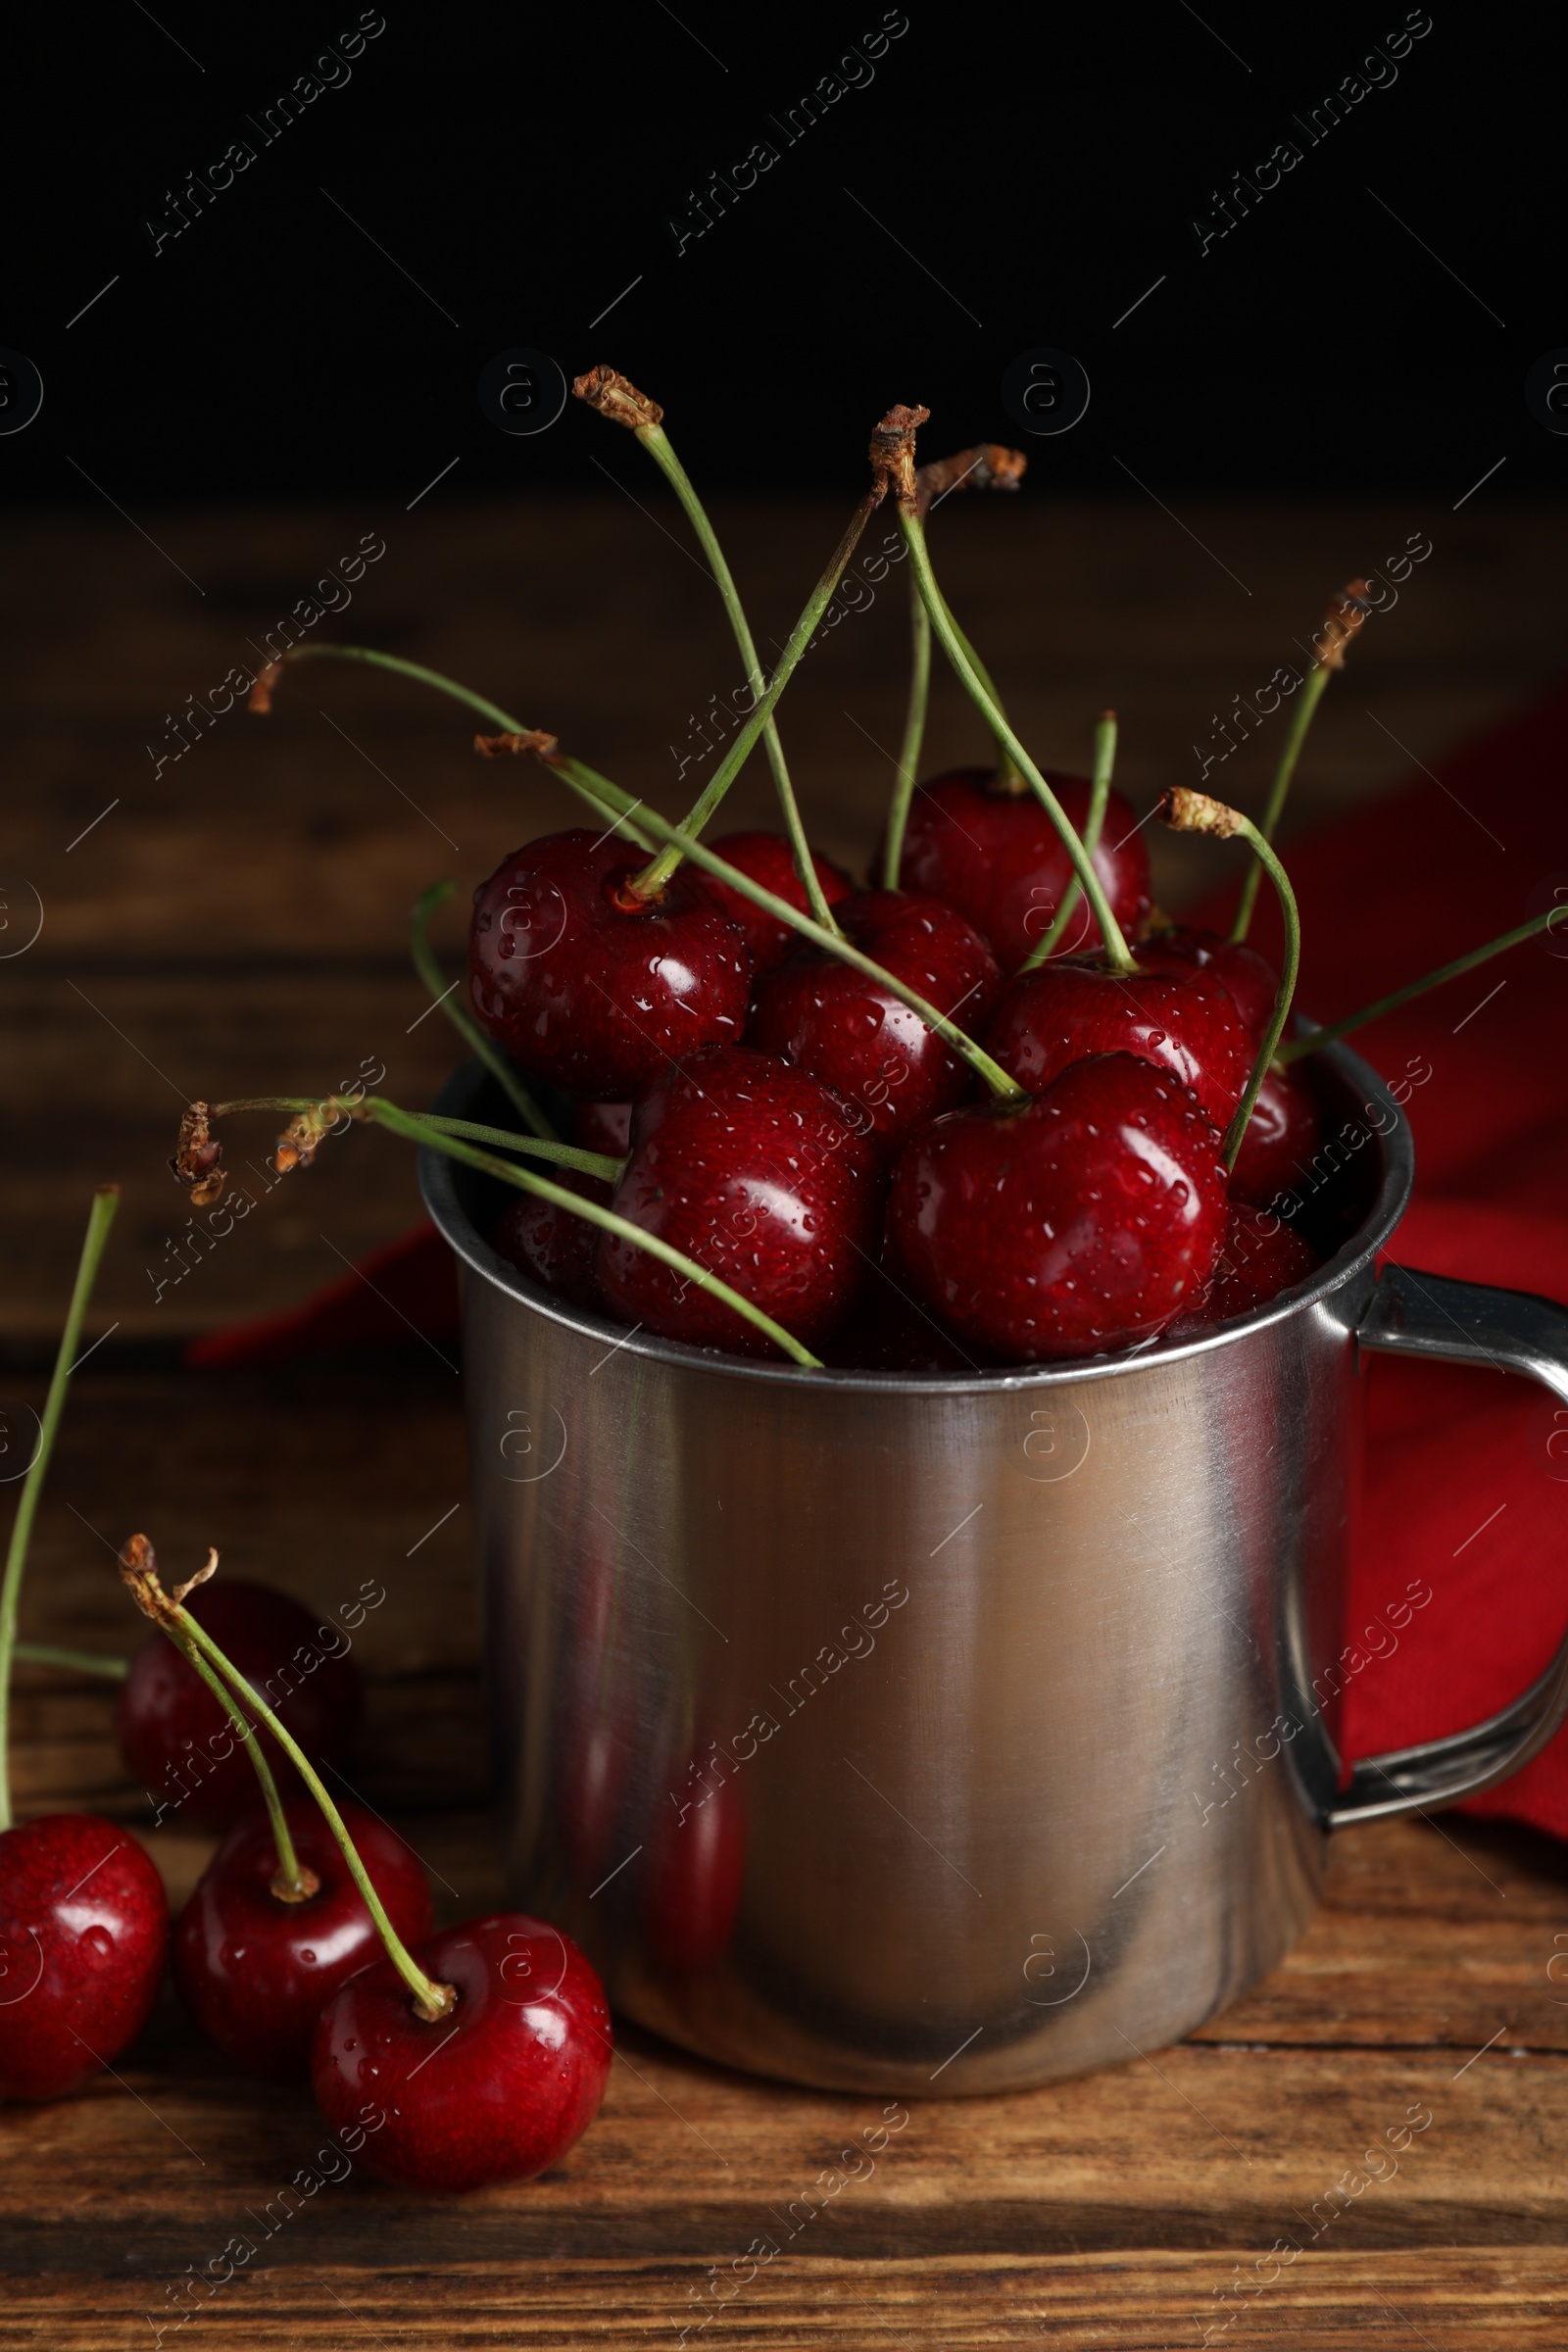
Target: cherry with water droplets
{"x": 549, "y": 1243}
{"x": 995, "y": 854}
{"x": 767, "y": 858}
{"x": 756, "y": 1172}
{"x": 1248, "y": 977}
{"x": 1283, "y": 1132}
{"x": 84, "y": 1941}
{"x": 1259, "y": 1256}
{"x": 497, "y": 2089}
{"x": 254, "y": 1966}
{"x": 848, "y": 1031}
{"x": 590, "y": 988}
{"x": 1083, "y": 1222}
{"x": 182, "y": 1747}
{"x": 1185, "y": 1022}
{"x": 602, "y": 1127}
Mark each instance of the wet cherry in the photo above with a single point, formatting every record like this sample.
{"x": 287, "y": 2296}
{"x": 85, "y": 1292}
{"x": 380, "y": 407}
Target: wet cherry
{"x": 180, "y": 1746}
{"x": 1184, "y": 1021}
{"x": 549, "y": 1243}
{"x": 254, "y": 1970}
{"x": 1282, "y": 1134}
{"x": 602, "y": 1127}
{"x": 83, "y": 1938}
{"x": 592, "y": 989}
{"x": 756, "y": 1172}
{"x": 768, "y": 857}
{"x": 997, "y": 857}
{"x": 1259, "y": 1257}
{"x": 842, "y": 1028}
{"x": 499, "y": 2089}
{"x": 1249, "y": 978}
{"x": 1083, "y": 1222}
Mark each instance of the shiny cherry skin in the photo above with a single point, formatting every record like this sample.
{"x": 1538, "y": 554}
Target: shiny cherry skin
{"x": 695, "y": 1873}
{"x": 589, "y": 988}
{"x": 552, "y": 1247}
{"x": 178, "y": 1742}
{"x": 997, "y": 858}
{"x": 253, "y": 1971}
{"x": 1283, "y": 1132}
{"x": 1249, "y": 978}
{"x": 768, "y": 857}
{"x": 1185, "y": 1022}
{"x": 523, "y": 2058}
{"x": 756, "y": 1172}
{"x": 83, "y": 1939}
{"x": 602, "y": 1127}
{"x": 1084, "y": 1221}
{"x": 1259, "y": 1257}
{"x": 856, "y": 1037}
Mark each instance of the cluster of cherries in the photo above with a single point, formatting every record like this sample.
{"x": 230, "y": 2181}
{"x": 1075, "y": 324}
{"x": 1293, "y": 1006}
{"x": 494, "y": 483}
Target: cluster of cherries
{"x": 492, "y": 2075}
{"x": 790, "y": 1124}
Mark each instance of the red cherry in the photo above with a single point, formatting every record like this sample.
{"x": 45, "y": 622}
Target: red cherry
{"x": 84, "y": 1937}
{"x": 754, "y": 1170}
{"x": 1082, "y": 1221}
{"x": 842, "y": 1028}
{"x": 997, "y": 858}
{"x": 255, "y": 1971}
{"x": 602, "y": 1127}
{"x": 1249, "y": 978}
{"x": 1283, "y": 1132}
{"x": 768, "y": 857}
{"x": 177, "y": 1739}
{"x": 1183, "y": 1021}
{"x": 695, "y": 1870}
{"x": 588, "y": 988}
{"x": 497, "y": 2091}
{"x": 549, "y": 1243}
{"x": 1259, "y": 1257}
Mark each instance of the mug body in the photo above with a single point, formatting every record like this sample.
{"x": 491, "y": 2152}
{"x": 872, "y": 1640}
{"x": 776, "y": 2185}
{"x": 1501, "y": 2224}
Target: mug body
{"x": 913, "y": 1734}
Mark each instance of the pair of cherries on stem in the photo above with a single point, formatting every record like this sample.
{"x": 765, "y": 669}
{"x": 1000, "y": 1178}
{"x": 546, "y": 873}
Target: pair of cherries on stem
{"x": 472, "y": 2055}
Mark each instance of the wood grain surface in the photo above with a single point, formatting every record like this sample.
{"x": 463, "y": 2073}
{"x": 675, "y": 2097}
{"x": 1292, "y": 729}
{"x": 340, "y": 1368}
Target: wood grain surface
{"x": 237, "y": 924}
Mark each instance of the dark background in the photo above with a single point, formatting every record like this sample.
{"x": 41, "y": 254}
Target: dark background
{"x": 1030, "y": 174}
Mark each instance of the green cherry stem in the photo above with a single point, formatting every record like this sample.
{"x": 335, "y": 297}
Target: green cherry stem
{"x": 430, "y": 1999}
{"x": 105, "y": 1201}
{"x": 1316, "y": 1039}
{"x": 324, "y": 1110}
{"x": 70, "y": 1661}
{"x": 1187, "y": 811}
{"x": 461, "y": 1020}
{"x": 1099, "y": 796}
{"x": 914, "y": 737}
{"x": 1118, "y": 954}
{"x": 1344, "y": 618}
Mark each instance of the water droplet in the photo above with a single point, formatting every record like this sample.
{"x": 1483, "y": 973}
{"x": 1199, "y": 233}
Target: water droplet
{"x": 96, "y": 1942}
{"x": 309, "y": 1957}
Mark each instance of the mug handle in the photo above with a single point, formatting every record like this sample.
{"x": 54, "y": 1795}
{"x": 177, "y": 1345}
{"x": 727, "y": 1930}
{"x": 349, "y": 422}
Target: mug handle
{"x": 1466, "y": 1323}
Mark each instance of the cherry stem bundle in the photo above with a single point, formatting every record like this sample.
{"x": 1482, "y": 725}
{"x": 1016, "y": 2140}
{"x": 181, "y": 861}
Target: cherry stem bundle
{"x": 1099, "y": 796}
{"x": 324, "y": 1109}
{"x": 140, "y": 1570}
{"x": 1315, "y": 1039}
{"x": 1117, "y": 953}
{"x": 1187, "y": 811}
{"x": 468, "y": 1028}
{"x": 100, "y": 1217}
{"x": 1345, "y": 616}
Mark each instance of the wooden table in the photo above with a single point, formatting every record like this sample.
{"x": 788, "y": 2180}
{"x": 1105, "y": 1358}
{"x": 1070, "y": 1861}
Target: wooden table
{"x": 237, "y": 925}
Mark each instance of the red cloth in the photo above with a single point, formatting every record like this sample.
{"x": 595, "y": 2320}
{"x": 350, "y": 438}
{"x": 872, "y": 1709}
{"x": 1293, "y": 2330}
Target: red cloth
{"x": 1467, "y": 1485}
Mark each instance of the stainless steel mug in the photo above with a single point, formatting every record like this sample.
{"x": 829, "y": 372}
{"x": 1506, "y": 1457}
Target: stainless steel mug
{"x": 943, "y": 1735}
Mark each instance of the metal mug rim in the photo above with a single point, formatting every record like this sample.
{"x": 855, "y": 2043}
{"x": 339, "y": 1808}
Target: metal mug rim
{"x": 438, "y": 1189}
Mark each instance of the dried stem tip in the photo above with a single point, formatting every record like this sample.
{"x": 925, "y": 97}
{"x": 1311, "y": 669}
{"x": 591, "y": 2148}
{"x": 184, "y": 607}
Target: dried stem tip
{"x": 138, "y": 1568}
{"x": 616, "y": 395}
{"x": 1186, "y": 812}
{"x": 260, "y": 701}
{"x": 198, "y": 1162}
{"x": 892, "y": 453}
{"x": 988, "y": 466}
{"x": 1341, "y": 623}
{"x": 494, "y": 747}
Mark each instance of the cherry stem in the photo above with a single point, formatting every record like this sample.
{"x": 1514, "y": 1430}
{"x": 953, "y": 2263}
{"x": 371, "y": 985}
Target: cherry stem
{"x": 914, "y": 737}
{"x": 1333, "y": 633}
{"x": 461, "y": 1020}
{"x": 651, "y": 881}
{"x": 430, "y": 1999}
{"x": 582, "y": 779}
{"x": 1118, "y": 954}
{"x": 1186, "y": 812}
{"x": 105, "y": 1201}
{"x": 329, "y": 1108}
{"x": 290, "y": 1884}
{"x": 657, "y": 442}
{"x": 70, "y": 1661}
{"x": 1316, "y": 1039}
{"x": 1099, "y": 796}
